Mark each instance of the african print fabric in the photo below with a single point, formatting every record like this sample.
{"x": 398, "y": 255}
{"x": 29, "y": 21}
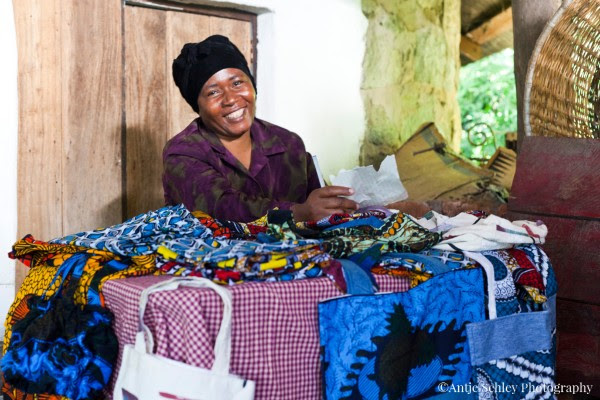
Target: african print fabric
{"x": 420, "y": 267}
{"x": 44, "y": 260}
{"x": 59, "y": 346}
{"x": 242, "y": 261}
{"x": 283, "y": 254}
{"x": 175, "y": 241}
{"x": 341, "y": 219}
{"x": 232, "y": 229}
{"x": 523, "y": 281}
{"x": 195, "y": 244}
{"x": 400, "y": 345}
{"x": 142, "y": 234}
{"x": 398, "y": 232}
{"x": 531, "y": 374}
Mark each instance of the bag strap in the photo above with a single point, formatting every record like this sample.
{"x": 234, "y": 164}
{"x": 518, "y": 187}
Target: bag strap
{"x": 488, "y": 269}
{"x": 223, "y": 342}
{"x": 66, "y": 272}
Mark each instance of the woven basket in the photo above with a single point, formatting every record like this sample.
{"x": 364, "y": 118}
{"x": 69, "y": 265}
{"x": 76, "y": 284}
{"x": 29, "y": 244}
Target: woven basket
{"x": 562, "y": 90}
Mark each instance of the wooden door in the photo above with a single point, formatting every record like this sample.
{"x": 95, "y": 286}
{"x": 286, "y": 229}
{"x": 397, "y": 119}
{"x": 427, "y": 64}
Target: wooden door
{"x": 70, "y": 90}
{"x": 154, "y": 109}
{"x": 97, "y": 103}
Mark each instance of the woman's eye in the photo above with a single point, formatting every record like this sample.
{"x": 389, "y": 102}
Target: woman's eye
{"x": 237, "y": 83}
{"x": 211, "y": 93}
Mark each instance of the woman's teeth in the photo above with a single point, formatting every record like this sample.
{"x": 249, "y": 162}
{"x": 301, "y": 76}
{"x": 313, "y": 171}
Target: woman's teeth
{"x": 235, "y": 114}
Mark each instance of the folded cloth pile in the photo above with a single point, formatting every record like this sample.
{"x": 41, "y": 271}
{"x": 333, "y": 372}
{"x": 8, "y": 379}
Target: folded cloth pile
{"x": 408, "y": 345}
{"x": 476, "y": 231}
{"x": 283, "y": 253}
{"x": 174, "y": 240}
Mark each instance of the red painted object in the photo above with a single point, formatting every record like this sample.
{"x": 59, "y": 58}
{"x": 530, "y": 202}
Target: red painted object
{"x": 558, "y": 176}
{"x": 558, "y": 181}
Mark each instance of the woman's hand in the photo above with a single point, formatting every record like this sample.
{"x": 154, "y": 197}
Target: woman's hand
{"x": 323, "y": 202}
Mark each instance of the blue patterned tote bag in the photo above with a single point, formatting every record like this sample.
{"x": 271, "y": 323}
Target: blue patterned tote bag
{"x": 410, "y": 345}
{"x": 61, "y": 347}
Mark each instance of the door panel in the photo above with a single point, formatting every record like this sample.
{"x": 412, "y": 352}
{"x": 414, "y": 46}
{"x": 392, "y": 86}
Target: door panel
{"x": 70, "y": 107}
{"x": 39, "y": 172}
{"x": 40, "y": 144}
{"x": 182, "y": 28}
{"x": 239, "y": 32}
{"x": 146, "y": 95}
{"x": 92, "y": 103}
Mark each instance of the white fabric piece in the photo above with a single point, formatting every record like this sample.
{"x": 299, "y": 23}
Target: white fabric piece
{"x": 367, "y": 183}
{"x": 144, "y": 375}
{"x": 471, "y": 233}
{"x": 491, "y": 280}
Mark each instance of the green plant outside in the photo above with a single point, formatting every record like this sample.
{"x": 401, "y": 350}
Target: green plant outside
{"x": 488, "y": 103}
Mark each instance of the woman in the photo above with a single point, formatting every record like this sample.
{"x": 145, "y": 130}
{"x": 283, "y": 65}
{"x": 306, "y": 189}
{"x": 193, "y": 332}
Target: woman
{"x": 228, "y": 163}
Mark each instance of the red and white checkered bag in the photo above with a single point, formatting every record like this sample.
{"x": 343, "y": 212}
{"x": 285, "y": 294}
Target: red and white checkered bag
{"x": 146, "y": 376}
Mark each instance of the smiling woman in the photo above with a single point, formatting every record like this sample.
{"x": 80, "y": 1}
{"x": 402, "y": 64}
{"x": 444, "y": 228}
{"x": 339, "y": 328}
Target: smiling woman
{"x": 227, "y": 105}
{"x": 228, "y": 163}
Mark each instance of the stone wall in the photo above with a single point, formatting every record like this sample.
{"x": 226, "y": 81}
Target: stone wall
{"x": 410, "y": 69}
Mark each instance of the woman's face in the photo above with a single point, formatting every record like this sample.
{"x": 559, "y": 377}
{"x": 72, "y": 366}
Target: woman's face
{"x": 227, "y": 103}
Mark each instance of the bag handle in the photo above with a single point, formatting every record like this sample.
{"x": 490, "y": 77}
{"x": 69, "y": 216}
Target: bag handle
{"x": 222, "y": 348}
{"x": 65, "y": 271}
{"x": 488, "y": 269}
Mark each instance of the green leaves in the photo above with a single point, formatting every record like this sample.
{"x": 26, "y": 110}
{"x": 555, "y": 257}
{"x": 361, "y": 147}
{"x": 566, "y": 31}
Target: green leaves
{"x": 488, "y": 103}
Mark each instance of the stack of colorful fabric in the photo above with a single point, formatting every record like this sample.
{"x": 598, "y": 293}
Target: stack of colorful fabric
{"x": 176, "y": 241}
{"x": 173, "y": 240}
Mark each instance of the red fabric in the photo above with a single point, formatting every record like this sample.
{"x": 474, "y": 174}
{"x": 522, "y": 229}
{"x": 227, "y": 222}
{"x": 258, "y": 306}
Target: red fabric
{"x": 527, "y": 274}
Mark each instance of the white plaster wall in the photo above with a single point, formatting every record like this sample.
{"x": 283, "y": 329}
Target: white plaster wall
{"x": 8, "y": 155}
{"x": 309, "y": 72}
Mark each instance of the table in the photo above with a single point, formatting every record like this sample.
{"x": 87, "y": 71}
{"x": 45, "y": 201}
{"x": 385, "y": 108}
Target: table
{"x": 275, "y": 331}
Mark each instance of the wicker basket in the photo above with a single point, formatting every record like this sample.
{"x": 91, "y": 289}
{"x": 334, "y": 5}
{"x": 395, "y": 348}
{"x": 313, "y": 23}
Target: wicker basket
{"x": 562, "y": 90}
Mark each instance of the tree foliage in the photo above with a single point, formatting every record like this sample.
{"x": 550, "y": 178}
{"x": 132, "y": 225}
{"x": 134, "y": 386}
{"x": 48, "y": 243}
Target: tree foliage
{"x": 488, "y": 102}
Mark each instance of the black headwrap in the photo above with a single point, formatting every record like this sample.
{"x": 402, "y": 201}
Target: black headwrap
{"x": 197, "y": 62}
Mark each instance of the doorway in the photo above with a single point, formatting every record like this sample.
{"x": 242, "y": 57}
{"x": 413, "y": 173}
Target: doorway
{"x": 154, "y": 109}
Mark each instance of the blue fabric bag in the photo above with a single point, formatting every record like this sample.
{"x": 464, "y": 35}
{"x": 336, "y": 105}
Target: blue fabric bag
{"x": 60, "y": 347}
{"x": 409, "y": 345}
{"x": 487, "y": 344}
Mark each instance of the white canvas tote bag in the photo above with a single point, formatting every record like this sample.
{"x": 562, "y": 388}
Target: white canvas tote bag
{"x": 146, "y": 376}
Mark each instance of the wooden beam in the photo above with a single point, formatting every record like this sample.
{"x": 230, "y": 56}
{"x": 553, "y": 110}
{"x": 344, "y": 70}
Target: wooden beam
{"x": 493, "y": 28}
{"x": 470, "y": 49}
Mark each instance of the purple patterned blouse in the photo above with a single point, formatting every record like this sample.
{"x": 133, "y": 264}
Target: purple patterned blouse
{"x": 202, "y": 174}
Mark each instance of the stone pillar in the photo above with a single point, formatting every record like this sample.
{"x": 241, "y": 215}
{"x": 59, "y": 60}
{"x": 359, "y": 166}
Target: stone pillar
{"x": 529, "y": 19}
{"x": 411, "y": 72}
